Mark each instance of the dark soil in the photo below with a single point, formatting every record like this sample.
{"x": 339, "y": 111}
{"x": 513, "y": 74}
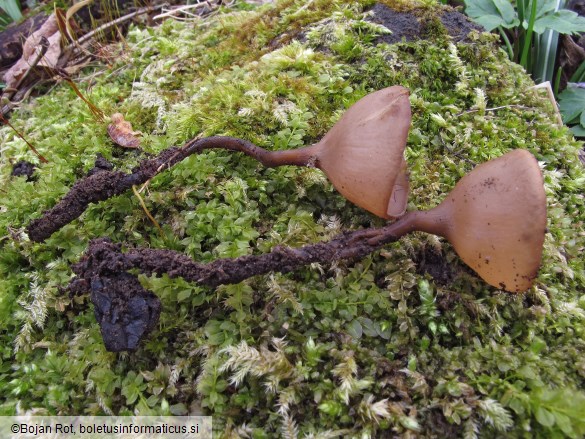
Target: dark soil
{"x": 23, "y": 168}
{"x": 125, "y": 311}
{"x": 406, "y": 26}
{"x": 101, "y": 164}
{"x": 459, "y": 26}
{"x": 428, "y": 260}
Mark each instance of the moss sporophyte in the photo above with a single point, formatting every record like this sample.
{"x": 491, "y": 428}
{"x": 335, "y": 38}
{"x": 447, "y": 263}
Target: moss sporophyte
{"x": 404, "y": 340}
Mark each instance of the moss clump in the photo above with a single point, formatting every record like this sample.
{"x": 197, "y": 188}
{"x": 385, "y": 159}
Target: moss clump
{"x": 407, "y": 341}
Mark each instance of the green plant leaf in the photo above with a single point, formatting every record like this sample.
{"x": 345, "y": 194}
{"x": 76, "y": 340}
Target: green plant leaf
{"x": 545, "y": 417}
{"x": 579, "y": 74}
{"x": 492, "y": 13}
{"x": 543, "y": 7}
{"x": 564, "y": 423}
{"x": 572, "y": 103}
{"x": 563, "y": 21}
{"x": 409, "y": 423}
{"x": 546, "y": 45}
{"x": 354, "y": 328}
{"x": 563, "y": 407}
{"x": 578, "y": 131}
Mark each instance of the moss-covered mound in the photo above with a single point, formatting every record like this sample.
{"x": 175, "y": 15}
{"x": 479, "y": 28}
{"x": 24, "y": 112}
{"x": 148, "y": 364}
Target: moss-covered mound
{"x": 406, "y": 342}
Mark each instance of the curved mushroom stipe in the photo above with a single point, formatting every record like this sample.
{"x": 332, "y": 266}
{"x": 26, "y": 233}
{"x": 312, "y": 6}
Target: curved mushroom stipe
{"x": 498, "y": 210}
{"x": 495, "y": 218}
{"x": 362, "y": 155}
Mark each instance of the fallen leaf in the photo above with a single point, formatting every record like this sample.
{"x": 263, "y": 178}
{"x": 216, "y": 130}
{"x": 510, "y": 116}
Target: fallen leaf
{"x": 50, "y": 31}
{"x": 121, "y": 132}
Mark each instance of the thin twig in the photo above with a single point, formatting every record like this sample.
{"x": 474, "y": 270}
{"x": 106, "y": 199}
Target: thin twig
{"x": 183, "y": 8}
{"x": 21, "y": 95}
{"x": 475, "y": 110}
{"x": 19, "y": 134}
{"x": 83, "y": 39}
{"x": 456, "y": 153}
{"x": 551, "y": 97}
{"x": 68, "y": 30}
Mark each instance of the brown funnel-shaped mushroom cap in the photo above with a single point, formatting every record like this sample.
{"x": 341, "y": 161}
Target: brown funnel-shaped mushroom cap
{"x": 363, "y": 154}
{"x": 495, "y": 218}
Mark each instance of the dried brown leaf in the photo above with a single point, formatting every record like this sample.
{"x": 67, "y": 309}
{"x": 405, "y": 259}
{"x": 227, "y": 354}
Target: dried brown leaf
{"x": 121, "y": 132}
{"x": 50, "y": 31}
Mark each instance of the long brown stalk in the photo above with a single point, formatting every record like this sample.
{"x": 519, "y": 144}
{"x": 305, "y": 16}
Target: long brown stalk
{"x": 104, "y": 258}
{"x": 102, "y": 184}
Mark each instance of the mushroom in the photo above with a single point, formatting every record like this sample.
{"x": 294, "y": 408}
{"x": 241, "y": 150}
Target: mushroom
{"x": 362, "y": 155}
{"x": 495, "y": 218}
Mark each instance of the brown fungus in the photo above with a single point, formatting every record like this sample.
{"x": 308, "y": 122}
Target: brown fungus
{"x": 495, "y": 218}
{"x": 363, "y": 154}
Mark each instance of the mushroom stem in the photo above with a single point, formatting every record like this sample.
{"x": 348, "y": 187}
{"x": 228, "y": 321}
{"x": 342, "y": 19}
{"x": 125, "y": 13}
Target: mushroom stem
{"x": 298, "y": 157}
{"x": 429, "y": 221}
{"x": 105, "y": 184}
{"x": 362, "y": 156}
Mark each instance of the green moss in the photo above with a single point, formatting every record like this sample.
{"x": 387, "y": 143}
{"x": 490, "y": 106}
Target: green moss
{"x": 377, "y": 346}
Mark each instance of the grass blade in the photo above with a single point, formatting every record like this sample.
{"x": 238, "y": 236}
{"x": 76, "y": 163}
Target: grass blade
{"x": 12, "y": 8}
{"x": 557, "y": 81}
{"x": 546, "y": 52}
{"x": 509, "y": 47}
{"x": 579, "y": 75}
{"x": 528, "y": 38}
